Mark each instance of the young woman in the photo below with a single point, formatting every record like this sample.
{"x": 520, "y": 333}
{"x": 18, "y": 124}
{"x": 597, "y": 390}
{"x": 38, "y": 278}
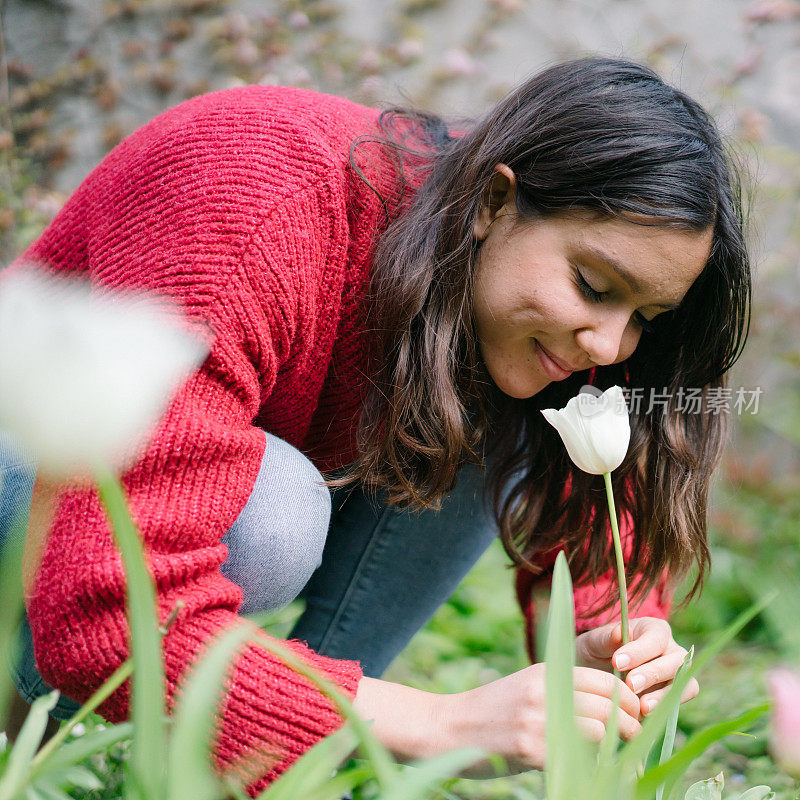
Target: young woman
{"x": 392, "y": 305}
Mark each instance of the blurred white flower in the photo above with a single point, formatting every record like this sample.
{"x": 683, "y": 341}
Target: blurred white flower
{"x": 594, "y": 427}
{"x": 84, "y": 377}
{"x": 784, "y": 686}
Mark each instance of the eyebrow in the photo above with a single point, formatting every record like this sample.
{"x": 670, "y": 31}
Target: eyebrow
{"x": 626, "y": 275}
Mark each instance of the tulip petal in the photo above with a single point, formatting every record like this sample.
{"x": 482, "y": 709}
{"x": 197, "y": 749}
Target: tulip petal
{"x": 595, "y": 429}
{"x": 568, "y": 423}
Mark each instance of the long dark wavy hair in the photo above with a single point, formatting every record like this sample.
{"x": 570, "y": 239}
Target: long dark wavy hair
{"x": 600, "y": 135}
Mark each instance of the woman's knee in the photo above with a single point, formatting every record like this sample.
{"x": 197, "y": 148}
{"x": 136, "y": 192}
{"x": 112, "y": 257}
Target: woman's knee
{"x": 17, "y": 473}
{"x": 277, "y": 540}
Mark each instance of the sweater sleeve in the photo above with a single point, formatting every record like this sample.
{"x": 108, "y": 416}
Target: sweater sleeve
{"x": 198, "y": 470}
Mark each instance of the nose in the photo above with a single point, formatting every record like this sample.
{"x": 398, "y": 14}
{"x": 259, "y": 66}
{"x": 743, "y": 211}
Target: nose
{"x": 609, "y": 338}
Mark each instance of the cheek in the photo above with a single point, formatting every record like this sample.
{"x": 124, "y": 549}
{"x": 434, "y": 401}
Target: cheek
{"x": 630, "y": 341}
{"x": 557, "y": 311}
{"x": 483, "y": 305}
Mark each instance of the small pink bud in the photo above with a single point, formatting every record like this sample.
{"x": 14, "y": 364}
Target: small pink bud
{"x": 245, "y": 53}
{"x": 459, "y": 62}
{"x": 773, "y": 11}
{"x": 409, "y": 50}
{"x": 298, "y": 20}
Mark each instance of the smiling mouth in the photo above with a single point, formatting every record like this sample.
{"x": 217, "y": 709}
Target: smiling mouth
{"x": 552, "y": 368}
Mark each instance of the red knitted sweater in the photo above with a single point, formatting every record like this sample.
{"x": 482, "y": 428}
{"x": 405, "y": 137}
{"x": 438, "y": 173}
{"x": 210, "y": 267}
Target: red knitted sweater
{"x": 241, "y": 205}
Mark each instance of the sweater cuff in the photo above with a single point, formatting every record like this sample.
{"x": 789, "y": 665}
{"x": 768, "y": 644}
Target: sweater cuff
{"x": 270, "y": 715}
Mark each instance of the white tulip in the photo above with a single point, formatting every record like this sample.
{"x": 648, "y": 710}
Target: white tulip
{"x": 594, "y": 428}
{"x": 84, "y": 377}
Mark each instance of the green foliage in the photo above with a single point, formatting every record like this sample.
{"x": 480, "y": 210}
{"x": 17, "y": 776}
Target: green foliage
{"x": 668, "y": 742}
{"x": 670, "y": 771}
{"x": 570, "y": 773}
{"x": 147, "y": 777}
{"x": 710, "y": 789}
{"x": 186, "y": 772}
{"x": 569, "y": 762}
{"x": 17, "y": 766}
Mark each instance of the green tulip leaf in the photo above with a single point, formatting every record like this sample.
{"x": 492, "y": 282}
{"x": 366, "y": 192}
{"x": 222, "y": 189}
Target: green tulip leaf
{"x": 147, "y": 778}
{"x": 189, "y": 773}
{"x": 758, "y": 793}
{"x": 95, "y": 741}
{"x": 18, "y": 766}
{"x": 710, "y": 789}
{"x": 672, "y": 723}
{"x": 10, "y": 603}
{"x": 413, "y": 784}
{"x": 313, "y": 771}
{"x": 569, "y": 764}
{"x": 673, "y": 769}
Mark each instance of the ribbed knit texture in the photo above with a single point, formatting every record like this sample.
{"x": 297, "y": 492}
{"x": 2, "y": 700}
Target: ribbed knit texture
{"x": 243, "y": 207}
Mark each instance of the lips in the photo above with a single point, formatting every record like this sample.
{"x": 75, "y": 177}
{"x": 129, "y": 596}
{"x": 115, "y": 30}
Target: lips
{"x": 556, "y": 369}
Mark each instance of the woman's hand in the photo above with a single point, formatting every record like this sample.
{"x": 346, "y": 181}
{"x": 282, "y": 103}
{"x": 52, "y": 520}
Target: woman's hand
{"x": 506, "y": 716}
{"x": 651, "y": 657}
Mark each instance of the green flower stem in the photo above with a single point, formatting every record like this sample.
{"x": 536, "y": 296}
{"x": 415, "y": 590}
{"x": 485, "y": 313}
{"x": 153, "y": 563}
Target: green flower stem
{"x": 118, "y": 677}
{"x": 623, "y": 584}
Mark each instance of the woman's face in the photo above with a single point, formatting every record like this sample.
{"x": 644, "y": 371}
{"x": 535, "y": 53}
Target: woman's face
{"x": 567, "y": 293}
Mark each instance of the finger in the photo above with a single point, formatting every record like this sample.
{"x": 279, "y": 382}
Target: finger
{"x": 650, "y": 700}
{"x": 599, "y": 644}
{"x": 592, "y": 729}
{"x": 594, "y": 706}
{"x": 651, "y": 638}
{"x": 660, "y": 670}
{"x": 603, "y": 684}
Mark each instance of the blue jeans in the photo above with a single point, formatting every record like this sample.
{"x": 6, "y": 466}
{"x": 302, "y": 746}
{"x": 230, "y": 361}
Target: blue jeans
{"x": 371, "y": 574}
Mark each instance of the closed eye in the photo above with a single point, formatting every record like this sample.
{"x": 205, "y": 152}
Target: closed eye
{"x": 588, "y": 290}
{"x": 596, "y": 296}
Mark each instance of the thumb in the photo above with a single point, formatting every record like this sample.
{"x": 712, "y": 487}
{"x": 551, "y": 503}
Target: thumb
{"x": 613, "y": 639}
{"x": 603, "y": 642}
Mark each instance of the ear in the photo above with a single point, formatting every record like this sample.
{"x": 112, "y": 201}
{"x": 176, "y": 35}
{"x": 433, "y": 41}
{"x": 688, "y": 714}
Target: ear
{"x": 501, "y": 192}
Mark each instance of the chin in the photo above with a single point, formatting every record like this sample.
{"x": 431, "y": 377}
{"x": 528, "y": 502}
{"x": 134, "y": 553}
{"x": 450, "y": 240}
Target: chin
{"x": 519, "y": 390}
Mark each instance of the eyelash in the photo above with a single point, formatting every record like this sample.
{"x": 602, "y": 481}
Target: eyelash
{"x": 597, "y": 297}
